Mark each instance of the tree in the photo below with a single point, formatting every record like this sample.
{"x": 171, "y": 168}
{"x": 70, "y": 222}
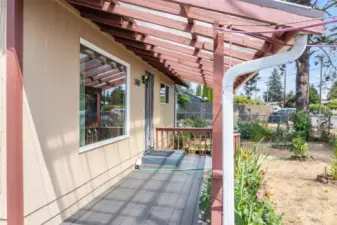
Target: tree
{"x": 205, "y": 92}
{"x": 303, "y": 63}
{"x": 251, "y": 86}
{"x": 313, "y": 95}
{"x": 290, "y": 100}
{"x": 198, "y": 91}
{"x": 274, "y": 86}
{"x": 183, "y": 100}
{"x": 210, "y": 95}
{"x": 333, "y": 92}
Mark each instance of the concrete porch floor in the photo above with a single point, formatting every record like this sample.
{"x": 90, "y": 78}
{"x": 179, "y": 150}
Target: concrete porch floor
{"x": 148, "y": 198}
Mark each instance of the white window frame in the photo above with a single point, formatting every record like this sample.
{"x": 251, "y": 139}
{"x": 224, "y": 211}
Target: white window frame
{"x": 168, "y": 86}
{"x": 127, "y": 82}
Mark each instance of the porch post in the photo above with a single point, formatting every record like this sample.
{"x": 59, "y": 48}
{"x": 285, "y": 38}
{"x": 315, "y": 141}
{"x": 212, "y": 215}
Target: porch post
{"x": 216, "y": 214}
{"x": 14, "y": 93}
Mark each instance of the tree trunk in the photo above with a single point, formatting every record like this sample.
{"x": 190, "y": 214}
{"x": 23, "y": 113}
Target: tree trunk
{"x": 302, "y": 82}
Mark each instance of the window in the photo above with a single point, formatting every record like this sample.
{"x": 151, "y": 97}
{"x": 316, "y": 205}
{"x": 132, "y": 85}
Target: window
{"x": 164, "y": 93}
{"x": 104, "y": 97}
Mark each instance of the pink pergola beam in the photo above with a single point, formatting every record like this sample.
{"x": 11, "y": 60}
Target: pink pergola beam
{"x": 174, "y": 24}
{"x": 97, "y": 70}
{"x": 198, "y": 14}
{"x": 251, "y": 12}
{"x": 14, "y": 113}
{"x": 148, "y": 41}
{"x": 216, "y": 210}
{"x": 186, "y": 64}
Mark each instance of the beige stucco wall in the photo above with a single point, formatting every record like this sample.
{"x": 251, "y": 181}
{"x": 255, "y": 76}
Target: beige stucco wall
{"x": 2, "y": 113}
{"x": 2, "y": 138}
{"x": 57, "y": 177}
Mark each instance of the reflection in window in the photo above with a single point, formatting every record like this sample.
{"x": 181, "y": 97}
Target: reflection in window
{"x": 102, "y": 97}
{"x": 164, "y": 93}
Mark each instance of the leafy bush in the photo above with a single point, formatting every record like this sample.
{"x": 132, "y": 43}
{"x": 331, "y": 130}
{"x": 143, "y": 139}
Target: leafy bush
{"x": 314, "y": 108}
{"x": 333, "y": 104}
{"x": 183, "y": 100}
{"x": 195, "y": 122}
{"x": 301, "y": 124}
{"x": 299, "y": 147}
{"x": 243, "y": 100}
{"x": 254, "y": 131}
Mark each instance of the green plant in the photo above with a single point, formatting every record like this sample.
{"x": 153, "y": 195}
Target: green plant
{"x": 252, "y": 204}
{"x": 183, "y": 100}
{"x": 301, "y": 125}
{"x": 299, "y": 147}
{"x": 194, "y": 122}
{"x": 316, "y": 108}
{"x": 332, "y": 140}
{"x": 333, "y": 104}
{"x": 243, "y": 100}
{"x": 254, "y": 131}
{"x": 334, "y": 164}
{"x": 251, "y": 197}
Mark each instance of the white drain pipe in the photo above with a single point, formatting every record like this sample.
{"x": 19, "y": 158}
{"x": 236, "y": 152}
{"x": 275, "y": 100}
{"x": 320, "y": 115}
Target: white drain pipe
{"x": 294, "y": 53}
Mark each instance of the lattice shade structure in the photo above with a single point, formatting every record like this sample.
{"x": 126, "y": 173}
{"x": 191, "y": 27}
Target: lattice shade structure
{"x": 176, "y": 36}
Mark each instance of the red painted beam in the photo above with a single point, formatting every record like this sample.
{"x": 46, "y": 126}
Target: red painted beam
{"x": 14, "y": 114}
{"x": 251, "y": 12}
{"x": 97, "y": 70}
{"x": 216, "y": 210}
{"x": 199, "y": 14}
{"x": 174, "y": 24}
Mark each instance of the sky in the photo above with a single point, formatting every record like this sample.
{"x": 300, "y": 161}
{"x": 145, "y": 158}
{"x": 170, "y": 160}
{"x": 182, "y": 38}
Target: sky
{"x": 314, "y": 74}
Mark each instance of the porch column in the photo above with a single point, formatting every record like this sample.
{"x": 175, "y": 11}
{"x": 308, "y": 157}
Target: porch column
{"x": 216, "y": 214}
{"x": 14, "y": 92}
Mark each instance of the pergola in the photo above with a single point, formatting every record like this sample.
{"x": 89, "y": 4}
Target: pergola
{"x": 180, "y": 38}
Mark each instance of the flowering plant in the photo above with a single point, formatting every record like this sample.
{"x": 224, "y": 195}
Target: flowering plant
{"x": 251, "y": 196}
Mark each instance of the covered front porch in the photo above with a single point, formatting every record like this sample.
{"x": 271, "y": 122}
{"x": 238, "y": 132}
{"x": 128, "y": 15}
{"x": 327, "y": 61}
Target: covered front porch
{"x": 197, "y": 41}
{"x": 149, "y": 197}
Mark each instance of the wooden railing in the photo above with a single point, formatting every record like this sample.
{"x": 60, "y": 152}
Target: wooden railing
{"x": 192, "y": 140}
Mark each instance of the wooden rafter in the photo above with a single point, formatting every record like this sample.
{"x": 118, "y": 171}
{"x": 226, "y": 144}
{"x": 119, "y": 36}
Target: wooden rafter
{"x": 176, "y": 54}
{"x": 241, "y": 40}
{"x": 251, "y": 12}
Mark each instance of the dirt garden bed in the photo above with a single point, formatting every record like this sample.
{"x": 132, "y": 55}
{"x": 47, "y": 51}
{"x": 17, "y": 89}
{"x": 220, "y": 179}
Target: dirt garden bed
{"x": 297, "y": 194}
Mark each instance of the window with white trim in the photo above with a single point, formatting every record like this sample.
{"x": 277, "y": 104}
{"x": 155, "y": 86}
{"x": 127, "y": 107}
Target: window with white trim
{"x": 164, "y": 93}
{"x": 104, "y": 97}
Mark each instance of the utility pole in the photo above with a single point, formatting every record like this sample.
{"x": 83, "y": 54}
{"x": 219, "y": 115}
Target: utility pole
{"x": 320, "y": 87}
{"x": 285, "y": 87}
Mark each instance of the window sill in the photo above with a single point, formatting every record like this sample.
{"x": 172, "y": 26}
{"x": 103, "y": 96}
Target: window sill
{"x": 102, "y": 143}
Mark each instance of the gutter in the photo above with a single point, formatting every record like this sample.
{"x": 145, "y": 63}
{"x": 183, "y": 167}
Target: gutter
{"x": 229, "y": 77}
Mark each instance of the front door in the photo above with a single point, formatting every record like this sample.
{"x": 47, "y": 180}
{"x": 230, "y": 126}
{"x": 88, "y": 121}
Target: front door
{"x": 149, "y": 85}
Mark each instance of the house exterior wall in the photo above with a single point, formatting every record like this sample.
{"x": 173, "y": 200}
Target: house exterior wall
{"x": 58, "y": 180}
{"x": 3, "y": 183}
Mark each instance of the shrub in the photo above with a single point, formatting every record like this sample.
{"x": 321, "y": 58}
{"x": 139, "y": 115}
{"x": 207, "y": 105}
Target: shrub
{"x": 333, "y": 104}
{"x": 243, "y": 100}
{"x": 301, "y": 124}
{"x": 206, "y": 196}
{"x": 195, "y": 122}
{"x": 299, "y": 147}
{"x": 314, "y": 108}
{"x": 254, "y": 131}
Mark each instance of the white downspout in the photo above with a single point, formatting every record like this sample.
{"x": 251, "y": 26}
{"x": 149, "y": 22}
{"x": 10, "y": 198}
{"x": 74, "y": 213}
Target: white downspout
{"x": 294, "y": 53}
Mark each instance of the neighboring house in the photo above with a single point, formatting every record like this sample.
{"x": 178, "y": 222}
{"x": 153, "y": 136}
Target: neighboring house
{"x": 76, "y": 53}
{"x": 193, "y": 98}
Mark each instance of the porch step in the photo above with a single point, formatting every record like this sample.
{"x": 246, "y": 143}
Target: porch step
{"x": 162, "y": 157}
